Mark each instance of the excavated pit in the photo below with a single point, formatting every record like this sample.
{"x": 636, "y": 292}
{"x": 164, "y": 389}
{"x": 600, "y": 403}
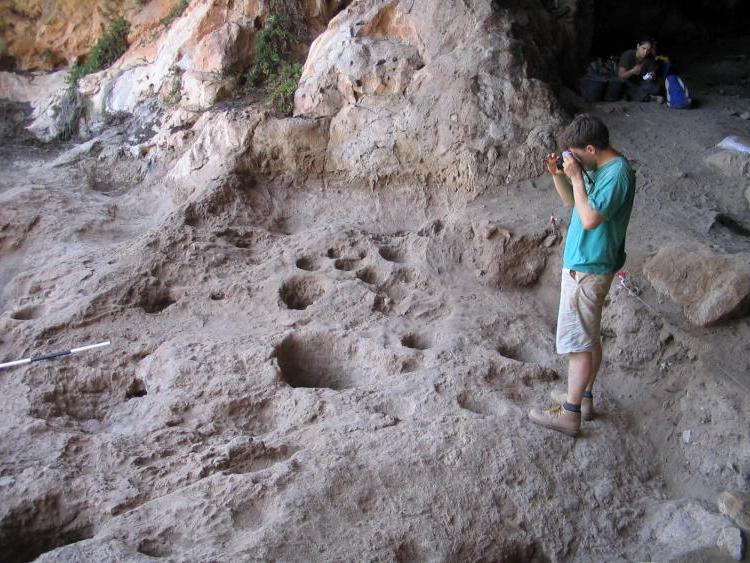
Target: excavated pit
{"x": 301, "y": 292}
{"x": 321, "y": 361}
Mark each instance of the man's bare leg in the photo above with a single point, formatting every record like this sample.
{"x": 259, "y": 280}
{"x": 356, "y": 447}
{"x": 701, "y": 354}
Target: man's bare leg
{"x": 596, "y": 361}
{"x": 580, "y": 372}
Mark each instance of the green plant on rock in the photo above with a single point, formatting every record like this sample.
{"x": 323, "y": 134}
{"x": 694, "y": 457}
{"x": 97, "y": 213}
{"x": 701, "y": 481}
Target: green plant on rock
{"x": 175, "y": 12}
{"x": 70, "y": 109}
{"x": 174, "y": 95}
{"x": 105, "y": 51}
{"x": 274, "y": 41}
{"x": 284, "y": 85}
{"x": 271, "y": 70}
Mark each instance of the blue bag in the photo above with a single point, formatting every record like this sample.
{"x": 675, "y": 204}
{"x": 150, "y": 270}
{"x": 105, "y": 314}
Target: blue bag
{"x": 678, "y": 96}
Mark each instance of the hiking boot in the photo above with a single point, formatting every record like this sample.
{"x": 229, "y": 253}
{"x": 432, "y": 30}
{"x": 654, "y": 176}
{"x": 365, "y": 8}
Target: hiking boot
{"x": 587, "y": 404}
{"x": 557, "y": 418}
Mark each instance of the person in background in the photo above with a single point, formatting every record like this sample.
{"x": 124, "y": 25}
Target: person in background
{"x": 638, "y": 68}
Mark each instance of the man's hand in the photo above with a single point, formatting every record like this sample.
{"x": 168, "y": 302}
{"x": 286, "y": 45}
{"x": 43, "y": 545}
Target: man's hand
{"x": 571, "y": 166}
{"x": 551, "y": 162}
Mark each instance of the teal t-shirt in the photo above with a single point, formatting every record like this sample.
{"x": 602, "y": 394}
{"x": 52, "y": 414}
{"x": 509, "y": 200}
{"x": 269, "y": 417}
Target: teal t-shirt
{"x": 601, "y": 250}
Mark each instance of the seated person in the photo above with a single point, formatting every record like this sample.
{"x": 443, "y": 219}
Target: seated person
{"x": 638, "y": 68}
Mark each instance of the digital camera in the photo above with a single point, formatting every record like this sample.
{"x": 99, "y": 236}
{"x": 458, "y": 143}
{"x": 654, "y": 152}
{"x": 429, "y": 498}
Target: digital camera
{"x": 560, "y": 162}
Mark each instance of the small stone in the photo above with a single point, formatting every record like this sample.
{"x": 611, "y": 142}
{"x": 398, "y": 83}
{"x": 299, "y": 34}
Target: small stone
{"x": 603, "y": 492}
{"x": 736, "y": 505}
{"x": 745, "y": 115}
{"x": 687, "y": 436}
{"x": 730, "y": 542}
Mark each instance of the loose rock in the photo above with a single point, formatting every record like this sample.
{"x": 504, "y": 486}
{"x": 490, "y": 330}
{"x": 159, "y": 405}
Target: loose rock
{"x": 730, "y": 541}
{"x": 736, "y": 505}
{"x": 710, "y": 288}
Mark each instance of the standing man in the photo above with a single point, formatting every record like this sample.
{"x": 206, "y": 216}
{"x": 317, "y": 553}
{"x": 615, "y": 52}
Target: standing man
{"x": 599, "y": 184}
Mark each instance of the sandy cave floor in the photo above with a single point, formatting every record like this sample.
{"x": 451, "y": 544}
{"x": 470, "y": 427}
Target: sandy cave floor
{"x": 304, "y": 338}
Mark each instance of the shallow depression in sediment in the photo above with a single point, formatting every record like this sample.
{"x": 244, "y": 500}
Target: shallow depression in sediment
{"x": 300, "y": 292}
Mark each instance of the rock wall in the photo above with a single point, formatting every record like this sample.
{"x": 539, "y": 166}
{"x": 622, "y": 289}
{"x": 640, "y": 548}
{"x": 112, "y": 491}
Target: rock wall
{"x": 459, "y": 96}
{"x": 39, "y": 35}
{"x": 451, "y": 96}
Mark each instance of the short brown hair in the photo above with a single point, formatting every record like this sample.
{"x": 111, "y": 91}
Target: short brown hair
{"x": 585, "y": 130}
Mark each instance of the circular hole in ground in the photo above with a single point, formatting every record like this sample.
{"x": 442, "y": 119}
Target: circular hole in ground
{"x": 300, "y": 292}
{"x": 306, "y": 263}
{"x": 333, "y": 253}
{"x": 319, "y": 361}
{"x": 346, "y": 264}
{"x": 508, "y": 351}
{"x": 156, "y": 299}
{"x": 28, "y": 313}
{"x": 415, "y": 341}
{"x": 136, "y": 389}
{"x": 369, "y": 275}
{"x": 217, "y": 295}
{"x": 391, "y": 254}
{"x": 380, "y": 304}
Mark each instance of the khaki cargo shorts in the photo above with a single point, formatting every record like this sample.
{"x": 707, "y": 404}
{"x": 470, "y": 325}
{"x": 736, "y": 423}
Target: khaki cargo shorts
{"x": 579, "y": 318}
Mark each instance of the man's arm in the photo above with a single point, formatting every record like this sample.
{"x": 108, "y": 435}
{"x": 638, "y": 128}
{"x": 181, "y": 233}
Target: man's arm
{"x": 590, "y": 217}
{"x": 564, "y": 190}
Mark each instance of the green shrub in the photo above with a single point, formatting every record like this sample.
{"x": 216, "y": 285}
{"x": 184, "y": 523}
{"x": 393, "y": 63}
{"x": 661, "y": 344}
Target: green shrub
{"x": 271, "y": 70}
{"x": 274, "y": 41}
{"x": 175, "y": 12}
{"x": 105, "y": 51}
{"x": 284, "y": 86}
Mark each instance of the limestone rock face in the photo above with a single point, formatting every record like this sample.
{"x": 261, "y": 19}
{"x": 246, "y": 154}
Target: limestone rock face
{"x": 47, "y": 35}
{"x": 710, "y": 288}
{"x": 395, "y": 92}
{"x": 54, "y": 107}
{"x": 431, "y": 89}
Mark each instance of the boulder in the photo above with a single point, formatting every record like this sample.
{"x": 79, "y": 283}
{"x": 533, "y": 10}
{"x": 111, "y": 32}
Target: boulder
{"x": 55, "y": 107}
{"x": 678, "y": 528}
{"x": 730, "y": 542}
{"x": 710, "y": 288}
{"x": 57, "y": 116}
{"x": 736, "y": 505}
{"x": 215, "y": 150}
{"x": 730, "y": 163}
